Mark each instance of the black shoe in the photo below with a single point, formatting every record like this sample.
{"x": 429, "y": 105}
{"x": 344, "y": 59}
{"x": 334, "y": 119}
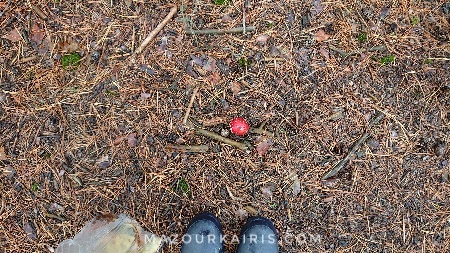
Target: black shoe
{"x": 258, "y": 236}
{"x": 204, "y": 235}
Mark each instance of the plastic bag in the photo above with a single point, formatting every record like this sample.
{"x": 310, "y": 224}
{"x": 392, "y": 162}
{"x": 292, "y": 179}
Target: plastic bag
{"x": 111, "y": 233}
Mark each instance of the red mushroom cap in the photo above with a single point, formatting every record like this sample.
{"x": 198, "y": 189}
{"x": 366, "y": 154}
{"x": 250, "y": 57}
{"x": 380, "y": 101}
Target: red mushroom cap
{"x": 239, "y": 126}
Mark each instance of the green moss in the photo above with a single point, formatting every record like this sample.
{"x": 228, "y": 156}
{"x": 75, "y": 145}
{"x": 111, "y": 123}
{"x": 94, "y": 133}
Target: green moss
{"x": 428, "y": 61}
{"x": 362, "y": 37}
{"x": 221, "y": 2}
{"x": 71, "y": 60}
{"x": 35, "y": 187}
{"x": 387, "y": 59}
{"x": 183, "y": 187}
{"x": 243, "y": 62}
{"x": 415, "y": 20}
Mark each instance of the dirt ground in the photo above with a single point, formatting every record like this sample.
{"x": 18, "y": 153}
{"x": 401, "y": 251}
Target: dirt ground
{"x": 87, "y": 127}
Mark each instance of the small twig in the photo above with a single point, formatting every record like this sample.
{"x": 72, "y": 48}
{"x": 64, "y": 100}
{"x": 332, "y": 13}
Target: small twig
{"x": 188, "y": 148}
{"x": 39, "y": 12}
{"x": 3, "y": 206}
{"x": 355, "y": 148}
{"x": 342, "y": 53}
{"x": 220, "y": 138}
{"x": 4, "y": 10}
{"x": 217, "y": 31}
{"x": 191, "y": 102}
{"x": 53, "y": 216}
{"x": 231, "y": 194}
{"x": 27, "y": 59}
{"x": 149, "y": 38}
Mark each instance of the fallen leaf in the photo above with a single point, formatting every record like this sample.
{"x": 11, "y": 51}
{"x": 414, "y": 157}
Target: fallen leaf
{"x": 296, "y": 186}
{"x": 30, "y": 230}
{"x": 55, "y": 207}
{"x": 235, "y": 88}
{"x": 329, "y": 199}
{"x": 262, "y": 38}
{"x": 103, "y": 162}
{"x": 190, "y": 69}
{"x": 210, "y": 65}
{"x": 68, "y": 46}
{"x": 132, "y": 141}
{"x": 37, "y": 34}
{"x": 384, "y": 12}
{"x": 200, "y": 61}
{"x": 321, "y": 35}
{"x": 145, "y": 95}
{"x": 267, "y": 191}
{"x": 242, "y": 214}
{"x": 214, "y": 78}
{"x": 316, "y": 8}
{"x": 251, "y": 210}
{"x": 263, "y": 146}
{"x": 2, "y": 153}
{"x": 226, "y": 18}
{"x": 118, "y": 140}
{"x": 13, "y": 36}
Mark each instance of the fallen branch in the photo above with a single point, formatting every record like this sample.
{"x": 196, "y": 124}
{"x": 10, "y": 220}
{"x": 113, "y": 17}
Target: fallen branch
{"x": 149, "y": 38}
{"x": 338, "y": 167}
{"x": 217, "y": 31}
{"x": 220, "y": 138}
{"x": 188, "y": 148}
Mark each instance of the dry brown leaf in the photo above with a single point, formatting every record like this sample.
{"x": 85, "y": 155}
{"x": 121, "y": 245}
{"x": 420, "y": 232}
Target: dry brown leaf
{"x": 37, "y": 34}
{"x": 214, "y": 78}
{"x": 267, "y": 192}
{"x": 210, "y": 65}
{"x": 321, "y": 35}
{"x": 235, "y": 88}
{"x": 263, "y": 146}
{"x": 132, "y": 141}
{"x": 13, "y": 36}
{"x": 262, "y": 38}
{"x": 118, "y": 140}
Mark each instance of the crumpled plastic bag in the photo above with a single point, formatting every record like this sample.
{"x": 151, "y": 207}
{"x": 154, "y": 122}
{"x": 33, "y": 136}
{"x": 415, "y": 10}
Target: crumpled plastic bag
{"x": 111, "y": 233}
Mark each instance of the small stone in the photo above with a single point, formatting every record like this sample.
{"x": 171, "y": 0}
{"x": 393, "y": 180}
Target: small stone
{"x": 440, "y": 148}
{"x": 30, "y": 230}
{"x": 225, "y": 132}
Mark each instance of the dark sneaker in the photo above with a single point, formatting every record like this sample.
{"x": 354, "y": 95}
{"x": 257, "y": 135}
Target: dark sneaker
{"x": 204, "y": 235}
{"x": 258, "y": 236}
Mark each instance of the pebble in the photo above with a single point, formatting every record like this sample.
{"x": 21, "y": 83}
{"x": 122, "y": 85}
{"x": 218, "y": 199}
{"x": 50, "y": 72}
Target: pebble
{"x": 440, "y": 148}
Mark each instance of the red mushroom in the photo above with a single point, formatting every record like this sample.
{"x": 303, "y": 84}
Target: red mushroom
{"x": 239, "y": 126}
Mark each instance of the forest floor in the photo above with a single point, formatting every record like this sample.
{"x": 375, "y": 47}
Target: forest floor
{"x": 88, "y": 127}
